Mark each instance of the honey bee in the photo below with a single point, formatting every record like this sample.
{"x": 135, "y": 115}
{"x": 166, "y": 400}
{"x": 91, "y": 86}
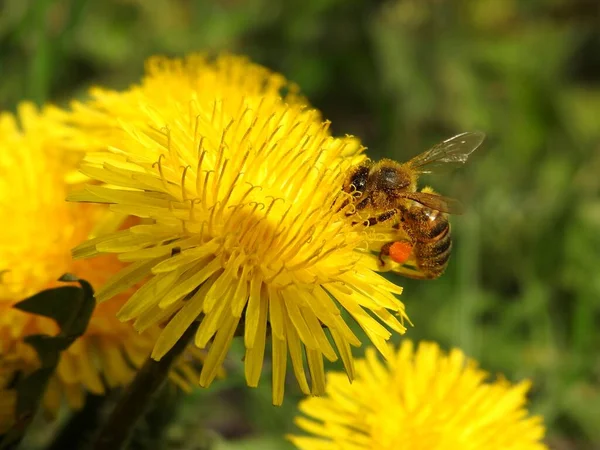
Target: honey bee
{"x": 387, "y": 191}
{"x": 425, "y": 253}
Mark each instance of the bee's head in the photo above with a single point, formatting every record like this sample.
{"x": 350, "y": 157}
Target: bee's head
{"x": 356, "y": 183}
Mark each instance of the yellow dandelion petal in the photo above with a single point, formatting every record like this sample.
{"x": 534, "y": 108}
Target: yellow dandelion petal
{"x": 420, "y": 399}
{"x": 240, "y": 190}
{"x": 172, "y": 331}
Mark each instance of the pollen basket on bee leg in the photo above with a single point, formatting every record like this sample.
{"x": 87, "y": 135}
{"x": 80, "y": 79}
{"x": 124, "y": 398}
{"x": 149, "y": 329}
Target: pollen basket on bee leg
{"x": 400, "y": 251}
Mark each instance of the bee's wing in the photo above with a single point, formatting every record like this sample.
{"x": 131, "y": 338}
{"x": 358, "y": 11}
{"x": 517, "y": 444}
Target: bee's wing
{"x": 434, "y": 201}
{"x": 448, "y": 154}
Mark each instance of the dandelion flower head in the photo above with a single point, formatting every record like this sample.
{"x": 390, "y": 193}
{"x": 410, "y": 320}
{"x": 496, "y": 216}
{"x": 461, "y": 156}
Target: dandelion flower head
{"x": 420, "y": 399}
{"x": 38, "y": 232}
{"x": 241, "y": 189}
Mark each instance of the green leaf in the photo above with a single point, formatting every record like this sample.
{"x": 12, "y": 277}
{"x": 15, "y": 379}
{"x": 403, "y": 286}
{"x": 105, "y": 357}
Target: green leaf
{"x": 72, "y": 308}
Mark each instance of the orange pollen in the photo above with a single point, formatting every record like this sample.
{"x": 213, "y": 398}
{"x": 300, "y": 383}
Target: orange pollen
{"x": 400, "y": 251}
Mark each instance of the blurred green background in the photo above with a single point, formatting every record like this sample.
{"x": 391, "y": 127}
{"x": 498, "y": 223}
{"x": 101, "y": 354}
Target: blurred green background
{"x": 522, "y": 293}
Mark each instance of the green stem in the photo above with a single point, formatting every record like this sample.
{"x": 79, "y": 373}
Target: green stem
{"x": 134, "y": 402}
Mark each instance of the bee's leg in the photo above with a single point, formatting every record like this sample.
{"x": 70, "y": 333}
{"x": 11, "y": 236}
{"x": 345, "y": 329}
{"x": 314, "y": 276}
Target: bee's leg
{"x": 383, "y": 217}
{"x": 363, "y": 203}
{"x": 342, "y": 206}
{"x": 385, "y": 251}
{"x": 387, "y": 215}
{"x": 380, "y": 218}
{"x": 360, "y": 205}
{"x": 355, "y": 195}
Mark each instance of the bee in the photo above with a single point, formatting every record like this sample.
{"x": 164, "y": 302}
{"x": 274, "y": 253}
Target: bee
{"x": 386, "y": 191}
{"x": 425, "y": 253}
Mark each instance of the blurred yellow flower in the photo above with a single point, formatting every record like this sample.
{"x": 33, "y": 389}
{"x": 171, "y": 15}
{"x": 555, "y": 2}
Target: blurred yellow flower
{"x": 38, "y": 231}
{"x": 419, "y": 400}
{"x": 243, "y": 189}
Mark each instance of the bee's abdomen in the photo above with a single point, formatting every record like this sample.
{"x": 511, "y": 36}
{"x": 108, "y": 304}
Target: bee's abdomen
{"x": 438, "y": 228}
{"x": 433, "y": 249}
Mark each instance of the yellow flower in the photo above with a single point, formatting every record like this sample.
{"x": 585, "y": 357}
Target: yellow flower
{"x": 38, "y": 231}
{"x": 243, "y": 189}
{"x": 419, "y": 400}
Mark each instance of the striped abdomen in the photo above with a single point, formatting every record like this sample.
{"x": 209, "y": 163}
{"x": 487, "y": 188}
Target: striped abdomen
{"x": 430, "y": 232}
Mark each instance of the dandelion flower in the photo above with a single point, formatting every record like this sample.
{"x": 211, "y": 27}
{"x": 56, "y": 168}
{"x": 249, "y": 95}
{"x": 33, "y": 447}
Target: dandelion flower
{"x": 242, "y": 192}
{"x": 419, "y": 400}
{"x": 39, "y": 231}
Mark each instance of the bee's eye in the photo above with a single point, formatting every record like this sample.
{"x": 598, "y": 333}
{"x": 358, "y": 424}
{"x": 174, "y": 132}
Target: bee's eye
{"x": 359, "y": 179}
